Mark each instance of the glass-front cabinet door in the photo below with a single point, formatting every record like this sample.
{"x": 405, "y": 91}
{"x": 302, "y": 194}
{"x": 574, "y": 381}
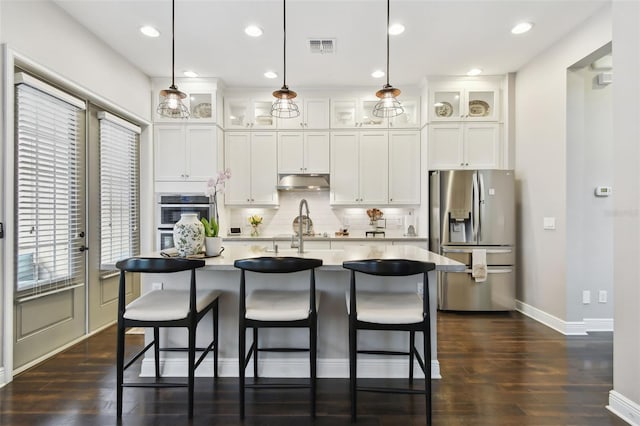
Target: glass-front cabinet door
{"x": 343, "y": 113}
{"x": 464, "y": 104}
{"x": 446, "y": 105}
{"x": 410, "y": 118}
{"x": 246, "y": 113}
{"x": 366, "y": 117}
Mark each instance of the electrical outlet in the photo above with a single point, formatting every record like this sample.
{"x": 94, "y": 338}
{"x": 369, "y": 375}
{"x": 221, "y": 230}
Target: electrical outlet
{"x": 156, "y": 286}
{"x": 602, "y": 296}
{"x": 420, "y": 288}
{"x": 586, "y": 297}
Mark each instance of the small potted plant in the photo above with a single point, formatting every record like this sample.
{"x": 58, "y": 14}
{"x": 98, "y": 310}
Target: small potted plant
{"x": 212, "y": 242}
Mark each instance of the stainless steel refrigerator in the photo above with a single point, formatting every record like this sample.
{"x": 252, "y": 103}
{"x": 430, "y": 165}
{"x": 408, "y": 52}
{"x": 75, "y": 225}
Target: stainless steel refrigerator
{"x": 472, "y": 220}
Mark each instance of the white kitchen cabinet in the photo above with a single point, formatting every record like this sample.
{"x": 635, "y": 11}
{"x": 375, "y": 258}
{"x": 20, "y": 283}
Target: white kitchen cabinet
{"x": 373, "y": 242}
{"x": 247, "y": 113}
{"x": 314, "y": 114}
{"x": 480, "y": 102}
{"x": 252, "y": 158}
{"x": 303, "y": 152}
{"x": 184, "y": 152}
{"x": 355, "y": 113}
{"x": 410, "y": 118}
{"x": 404, "y": 167}
{"x": 359, "y": 168}
{"x": 464, "y": 146}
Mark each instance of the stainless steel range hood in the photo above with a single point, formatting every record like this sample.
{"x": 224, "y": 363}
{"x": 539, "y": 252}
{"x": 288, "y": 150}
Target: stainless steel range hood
{"x": 303, "y": 183}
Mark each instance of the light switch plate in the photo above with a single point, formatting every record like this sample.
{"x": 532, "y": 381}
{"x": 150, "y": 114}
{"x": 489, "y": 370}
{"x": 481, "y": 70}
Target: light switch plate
{"x": 549, "y": 223}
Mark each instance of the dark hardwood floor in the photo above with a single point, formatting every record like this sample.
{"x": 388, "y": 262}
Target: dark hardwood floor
{"x": 498, "y": 369}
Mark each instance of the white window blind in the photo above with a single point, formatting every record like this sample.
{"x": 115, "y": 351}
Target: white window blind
{"x": 50, "y": 221}
{"x": 119, "y": 189}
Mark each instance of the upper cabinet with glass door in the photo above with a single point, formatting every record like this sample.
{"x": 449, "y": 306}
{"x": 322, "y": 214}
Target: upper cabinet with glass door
{"x": 410, "y": 118}
{"x": 477, "y": 102}
{"x": 200, "y": 100}
{"x": 247, "y": 114}
{"x": 355, "y": 113}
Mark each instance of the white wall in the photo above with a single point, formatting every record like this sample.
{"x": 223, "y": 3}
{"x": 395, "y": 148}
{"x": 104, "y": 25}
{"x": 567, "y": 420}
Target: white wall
{"x": 540, "y": 164}
{"x": 625, "y": 398}
{"x": 589, "y": 218}
{"x": 45, "y": 35}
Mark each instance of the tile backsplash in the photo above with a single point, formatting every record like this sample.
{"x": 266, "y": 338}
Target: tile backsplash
{"x": 325, "y": 218}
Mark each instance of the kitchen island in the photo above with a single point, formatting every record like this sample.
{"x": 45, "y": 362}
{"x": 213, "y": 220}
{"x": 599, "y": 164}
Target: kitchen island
{"x": 332, "y": 280}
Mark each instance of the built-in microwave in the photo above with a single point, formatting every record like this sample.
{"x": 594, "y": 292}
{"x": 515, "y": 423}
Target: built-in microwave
{"x": 171, "y": 207}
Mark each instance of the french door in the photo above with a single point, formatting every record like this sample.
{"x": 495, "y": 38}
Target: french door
{"x": 50, "y": 193}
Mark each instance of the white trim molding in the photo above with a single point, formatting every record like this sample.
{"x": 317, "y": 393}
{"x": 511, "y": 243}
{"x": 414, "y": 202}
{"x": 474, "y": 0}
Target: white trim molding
{"x": 568, "y": 328}
{"x": 292, "y": 367}
{"x": 3, "y": 382}
{"x": 624, "y": 408}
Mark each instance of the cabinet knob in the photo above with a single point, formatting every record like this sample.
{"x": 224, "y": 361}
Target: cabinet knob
{"x": 248, "y": 199}
{"x": 466, "y": 164}
{"x": 301, "y": 124}
{"x": 390, "y": 199}
{"x": 462, "y": 164}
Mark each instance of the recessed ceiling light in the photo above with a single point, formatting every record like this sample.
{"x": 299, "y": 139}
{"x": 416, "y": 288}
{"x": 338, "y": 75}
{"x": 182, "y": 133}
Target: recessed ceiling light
{"x": 474, "y": 71}
{"x": 149, "y": 31}
{"x": 190, "y": 74}
{"x": 377, "y": 74}
{"x": 253, "y": 31}
{"x": 521, "y": 28}
{"x": 270, "y": 74}
{"x": 396, "y": 29}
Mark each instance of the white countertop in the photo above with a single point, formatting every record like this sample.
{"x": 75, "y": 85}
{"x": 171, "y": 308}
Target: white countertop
{"x": 332, "y": 259}
{"x": 354, "y": 237}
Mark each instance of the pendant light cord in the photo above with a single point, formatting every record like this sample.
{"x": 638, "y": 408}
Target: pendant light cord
{"x": 173, "y": 44}
{"x": 284, "y": 49}
{"x": 388, "y": 42}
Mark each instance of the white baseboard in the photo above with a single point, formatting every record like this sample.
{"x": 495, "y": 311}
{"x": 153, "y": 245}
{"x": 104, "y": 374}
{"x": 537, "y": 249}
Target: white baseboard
{"x": 290, "y": 367}
{"x": 568, "y": 328}
{"x": 3, "y": 380}
{"x": 624, "y": 408}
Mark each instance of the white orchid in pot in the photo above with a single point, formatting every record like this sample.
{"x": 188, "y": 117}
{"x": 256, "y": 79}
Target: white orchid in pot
{"x": 215, "y": 186}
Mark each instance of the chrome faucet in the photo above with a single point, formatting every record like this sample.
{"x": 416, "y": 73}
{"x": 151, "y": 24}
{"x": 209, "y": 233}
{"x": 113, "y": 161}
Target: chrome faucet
{"x": 300, "y": 220}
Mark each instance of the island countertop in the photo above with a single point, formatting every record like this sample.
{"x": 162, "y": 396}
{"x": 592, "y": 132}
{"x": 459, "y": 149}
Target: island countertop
{"x": 332, "y": 280}
{"x": 332, "y": 258}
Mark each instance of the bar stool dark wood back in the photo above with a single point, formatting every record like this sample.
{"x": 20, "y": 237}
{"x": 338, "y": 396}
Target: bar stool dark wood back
{"x": 277, "y": 308}
{"x": 165, "y": 308}
{"x": 369, "y": 310}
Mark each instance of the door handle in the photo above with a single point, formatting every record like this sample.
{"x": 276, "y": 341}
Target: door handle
{"x": 83, "y": 248}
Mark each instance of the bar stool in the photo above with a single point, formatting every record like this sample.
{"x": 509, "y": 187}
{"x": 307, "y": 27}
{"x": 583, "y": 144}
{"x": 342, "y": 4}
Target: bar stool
{"x": 378, "y": 310}
{"x": 165, "y": 308}
{"x": 277, "y": 308}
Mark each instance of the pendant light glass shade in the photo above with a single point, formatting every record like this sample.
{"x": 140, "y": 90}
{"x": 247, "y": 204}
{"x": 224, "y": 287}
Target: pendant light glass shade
{"x": 284, "y": 106}
{"x": 171, "y": 105}
{"x": 388, "y": 105}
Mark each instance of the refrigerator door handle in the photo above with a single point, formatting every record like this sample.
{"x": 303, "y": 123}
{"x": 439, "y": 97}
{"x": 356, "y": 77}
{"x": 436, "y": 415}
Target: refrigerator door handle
{"x": 480, "y": 204}
{"x": 476, "y": 210}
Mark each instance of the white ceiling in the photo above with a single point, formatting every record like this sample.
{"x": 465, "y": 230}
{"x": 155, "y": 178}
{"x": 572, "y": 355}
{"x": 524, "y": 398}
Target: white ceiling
{"x": 442, "y": 37}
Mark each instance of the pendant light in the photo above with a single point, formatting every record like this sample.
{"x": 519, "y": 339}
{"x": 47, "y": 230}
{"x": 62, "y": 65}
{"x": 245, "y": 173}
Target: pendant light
{"x": 171, "y": 105}
{"x": 284, "y": 106}
{"x": 388, "y": 105}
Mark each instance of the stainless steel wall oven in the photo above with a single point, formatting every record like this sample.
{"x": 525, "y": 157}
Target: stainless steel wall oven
{"x": 171, "y": 207}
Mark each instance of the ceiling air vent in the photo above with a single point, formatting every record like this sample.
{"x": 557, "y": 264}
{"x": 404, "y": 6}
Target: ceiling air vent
{"x": 324, "y": 46}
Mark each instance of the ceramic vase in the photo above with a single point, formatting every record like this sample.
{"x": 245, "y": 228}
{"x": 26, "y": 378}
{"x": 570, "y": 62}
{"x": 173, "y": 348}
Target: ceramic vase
{"x": 213, "y": 245}
{"x": 188, "y": 235}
